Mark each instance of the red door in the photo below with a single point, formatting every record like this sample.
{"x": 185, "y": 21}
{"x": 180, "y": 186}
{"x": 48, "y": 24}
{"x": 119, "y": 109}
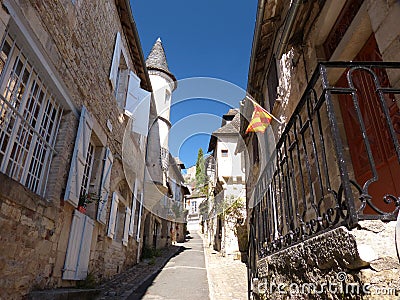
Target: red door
{"x": 383, "y": 151}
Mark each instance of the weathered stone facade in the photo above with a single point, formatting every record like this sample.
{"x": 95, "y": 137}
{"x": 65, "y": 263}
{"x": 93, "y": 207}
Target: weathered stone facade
{"x": 70, "y": 44}
{"x": 293, "y": 38}
{"x": 356, "y": 264}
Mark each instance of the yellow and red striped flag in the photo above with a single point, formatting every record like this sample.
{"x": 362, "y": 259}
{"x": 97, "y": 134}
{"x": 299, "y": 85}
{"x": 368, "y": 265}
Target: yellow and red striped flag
{"x": 259, "y": 120}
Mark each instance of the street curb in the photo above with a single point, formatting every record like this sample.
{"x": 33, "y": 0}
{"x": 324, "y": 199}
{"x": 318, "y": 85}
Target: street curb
{"x": 205, "y": 248}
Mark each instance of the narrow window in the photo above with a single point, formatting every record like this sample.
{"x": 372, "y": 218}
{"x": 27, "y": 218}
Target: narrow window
{"x": 87, "y": 170}
{"x": 272, "y": 83}
{"x": 224, "y": 153}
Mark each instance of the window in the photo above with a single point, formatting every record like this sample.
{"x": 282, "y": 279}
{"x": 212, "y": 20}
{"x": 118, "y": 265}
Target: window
{"x": 167, "y": 96}
{"x": 272, "y": 83}
{"x": 119, "y": 225}
{"x": 194, "y": 207}
{"x": 254, "y": 141}
{"x": 87, "y": 170}
{"x": 90, "y": 169}
{"x": 224, "y": 153}
{"x": 119, "y": 73}
{"x": 29, "y": 119}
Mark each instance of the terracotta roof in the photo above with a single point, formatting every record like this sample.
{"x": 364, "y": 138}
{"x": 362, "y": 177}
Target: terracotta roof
{"x": 157, "y": 59}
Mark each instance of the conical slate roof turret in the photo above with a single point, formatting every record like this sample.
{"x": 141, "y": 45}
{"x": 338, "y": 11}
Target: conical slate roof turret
{"x": 157, "y": 59}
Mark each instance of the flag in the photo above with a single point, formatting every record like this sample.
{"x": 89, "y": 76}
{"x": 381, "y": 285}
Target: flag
{"x": 259, "y": 120}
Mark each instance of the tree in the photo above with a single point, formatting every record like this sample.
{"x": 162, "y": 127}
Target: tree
{"x": 200, "y": 170}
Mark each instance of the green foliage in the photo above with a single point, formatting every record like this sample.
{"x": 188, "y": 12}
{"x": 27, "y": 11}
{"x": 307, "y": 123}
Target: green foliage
{"x": 150, "y": 253}
{"x": 234, "y": 214}
{"x": 89, "y": 282}
{"x": 234, "y": 209}
{"x": 152, "y": 261}
{"x": 89, "y": 198}
{"x": 200, "y": 170}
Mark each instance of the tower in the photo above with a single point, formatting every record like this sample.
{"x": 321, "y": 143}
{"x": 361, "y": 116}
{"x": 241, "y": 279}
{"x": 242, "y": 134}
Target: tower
{"x": 163, "y": 83}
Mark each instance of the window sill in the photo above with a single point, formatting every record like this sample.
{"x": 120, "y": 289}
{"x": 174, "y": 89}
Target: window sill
{"x": 15, "y": 192}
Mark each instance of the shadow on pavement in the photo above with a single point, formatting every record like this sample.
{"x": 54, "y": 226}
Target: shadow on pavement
{"x": 141, "y": 291}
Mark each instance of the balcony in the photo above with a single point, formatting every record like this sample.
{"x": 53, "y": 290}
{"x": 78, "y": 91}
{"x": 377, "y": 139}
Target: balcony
{"x": 337, "y": 161}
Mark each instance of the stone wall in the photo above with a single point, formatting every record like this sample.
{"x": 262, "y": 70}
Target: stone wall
{"x": 77, "y": 42}
{"x": 27, "y": 241}
{"x": 366, "y": 255}
{"x": 339, "y": 264}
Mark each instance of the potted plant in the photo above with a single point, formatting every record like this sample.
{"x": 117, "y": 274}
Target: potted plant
{"x": 86, "y": 199}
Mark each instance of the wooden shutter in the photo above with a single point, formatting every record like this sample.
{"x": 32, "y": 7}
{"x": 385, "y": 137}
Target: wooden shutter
{"x": 115, "y": 61}
{"x": 272, "y": 83}
{"x": 78, "y": 161}
{"x": 132, "y": 220}
{"x": 132, "y": 96}
{"x": 78, "y": 250}
{"x": 84, "y": 255}
{"x": 139, "y": 217}
{"x": 128, "y": 214}
{"x": 138, "y": 105}
{"x": 105, "y": 187}
{"x": 113, "y": 215}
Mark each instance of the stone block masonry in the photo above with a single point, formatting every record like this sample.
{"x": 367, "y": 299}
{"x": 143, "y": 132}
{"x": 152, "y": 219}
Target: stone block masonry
{"x": 76, "y": 39}
{"x": 360, "y": 264}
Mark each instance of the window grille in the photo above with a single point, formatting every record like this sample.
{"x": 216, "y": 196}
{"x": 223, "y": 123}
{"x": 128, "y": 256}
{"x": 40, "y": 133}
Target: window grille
{"x": 87, "y": 171}
{"x": 29, "y": 120}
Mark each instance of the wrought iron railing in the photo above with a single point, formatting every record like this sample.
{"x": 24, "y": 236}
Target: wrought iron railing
{"x": 312, "y": 184}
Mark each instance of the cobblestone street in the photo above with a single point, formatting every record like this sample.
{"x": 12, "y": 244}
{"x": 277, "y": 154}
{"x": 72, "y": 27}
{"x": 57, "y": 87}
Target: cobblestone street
{"x": 179, "y": 273}
{"x": 227, "y": 277}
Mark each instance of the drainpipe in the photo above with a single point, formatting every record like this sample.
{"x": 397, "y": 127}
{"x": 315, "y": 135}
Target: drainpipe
{"x": 293, "y": 11}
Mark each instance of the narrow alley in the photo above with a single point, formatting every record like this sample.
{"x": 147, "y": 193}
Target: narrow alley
{"x": 190, "y": 150}
{"x": 195, "y": 272}
{"x": 183, "y": 277}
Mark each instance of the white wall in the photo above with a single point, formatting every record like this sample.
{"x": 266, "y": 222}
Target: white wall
{"x": 232, "y": 164}
{"x": 161, "y": 88}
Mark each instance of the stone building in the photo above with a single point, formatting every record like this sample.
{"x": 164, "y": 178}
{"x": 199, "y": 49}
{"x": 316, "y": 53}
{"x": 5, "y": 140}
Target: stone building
{"x": 75, "y": 107}
{"x": 164, "y": 184}
{"x": 323, "y": 188}
{"x": 226, "y": 199}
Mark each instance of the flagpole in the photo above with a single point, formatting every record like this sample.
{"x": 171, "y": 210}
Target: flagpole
{"x": 254, "y": 102}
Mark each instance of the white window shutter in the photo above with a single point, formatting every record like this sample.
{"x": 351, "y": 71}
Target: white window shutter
{"x": 139, "y": 217}
{"x": 78, "y": 161}
{"x": 128, "y": 214}
{"x": 105, "y": 187}
{"x": 72, "y": 255}
{"x": 138, "y": 105}
{"x": 113, "y": 216}
{"x": 132, "y": 96}
{"x": 84, "y": 255}
{"x": 115, "y": 61}
{"x": 78, "y": 249}
{"x": 132, "y": 221}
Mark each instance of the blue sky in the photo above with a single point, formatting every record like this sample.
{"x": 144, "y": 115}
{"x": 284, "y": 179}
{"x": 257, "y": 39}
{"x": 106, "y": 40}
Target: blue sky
{"x": 207, "y": 39}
